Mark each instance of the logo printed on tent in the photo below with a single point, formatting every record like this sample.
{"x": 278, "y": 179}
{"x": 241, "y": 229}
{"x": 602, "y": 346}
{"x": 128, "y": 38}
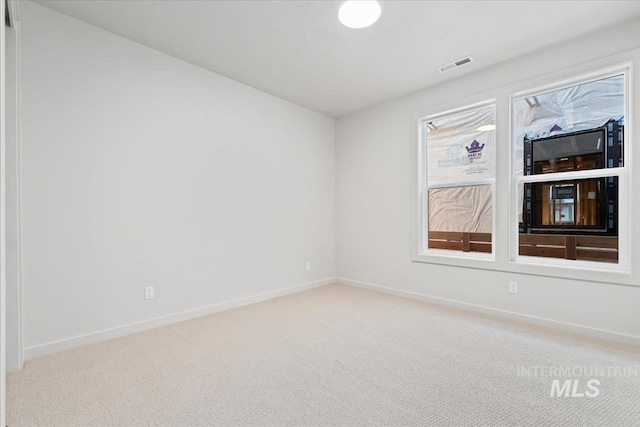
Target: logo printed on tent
{"x": 475, "y": 151}
{"x": 475, "y": 147}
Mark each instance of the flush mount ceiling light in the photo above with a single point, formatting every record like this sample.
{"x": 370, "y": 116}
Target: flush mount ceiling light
{"x": 359, "y": 13}
{"x": 486, "y": 128}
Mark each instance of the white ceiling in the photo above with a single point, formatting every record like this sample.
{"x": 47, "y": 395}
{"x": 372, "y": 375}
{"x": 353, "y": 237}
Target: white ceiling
{"x": 298, "y": 50}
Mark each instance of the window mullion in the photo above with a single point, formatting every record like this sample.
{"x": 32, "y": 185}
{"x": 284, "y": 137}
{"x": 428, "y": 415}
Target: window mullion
{"x": 573, "y": 175}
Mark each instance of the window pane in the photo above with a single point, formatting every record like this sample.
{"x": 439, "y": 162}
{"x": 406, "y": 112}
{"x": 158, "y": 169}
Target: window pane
{"x": 460, "y": 218}
{"x": 569, "y": 204}
{"x": 587, "y": 206}
{"x": 575, "y": 219}
{"x": 570, "y": 122}
{"x": 461, "y": 146}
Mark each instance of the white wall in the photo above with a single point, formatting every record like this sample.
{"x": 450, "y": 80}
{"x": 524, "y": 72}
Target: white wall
{"x": 14, "y": 334}
{"x": 3, "y": 302}
{"x": 139, "y": 169}
{"x": 374, "y": 155}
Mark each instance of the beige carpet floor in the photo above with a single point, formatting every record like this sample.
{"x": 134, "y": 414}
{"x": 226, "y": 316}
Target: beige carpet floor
{"x": 330, "y": 356}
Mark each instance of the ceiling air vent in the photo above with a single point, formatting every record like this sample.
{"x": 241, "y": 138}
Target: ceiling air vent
{"x": 456, "y": 64}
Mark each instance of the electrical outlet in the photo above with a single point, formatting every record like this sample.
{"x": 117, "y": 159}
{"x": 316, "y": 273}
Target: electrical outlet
{"x": 308, "y": 265}
{"x": 148, "y": 292}
{"x": 513, "y": 287}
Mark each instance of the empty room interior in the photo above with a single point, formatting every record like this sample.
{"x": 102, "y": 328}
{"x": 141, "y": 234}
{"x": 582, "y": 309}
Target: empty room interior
{"x": 320, "y": 213}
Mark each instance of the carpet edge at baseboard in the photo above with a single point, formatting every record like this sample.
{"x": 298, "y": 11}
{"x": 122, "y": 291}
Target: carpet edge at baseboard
{"x": 583, "y": 330}
{"x": 144, "y": 325}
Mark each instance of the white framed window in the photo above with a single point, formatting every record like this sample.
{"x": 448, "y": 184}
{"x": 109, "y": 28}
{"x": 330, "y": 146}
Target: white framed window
{"x": 456, "y": 189}
{"x": 570, "y": 173}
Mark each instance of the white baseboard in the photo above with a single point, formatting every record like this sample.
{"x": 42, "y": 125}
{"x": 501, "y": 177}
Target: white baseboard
{"x": 132, "y": 328}
{"x": 540, "y": 321}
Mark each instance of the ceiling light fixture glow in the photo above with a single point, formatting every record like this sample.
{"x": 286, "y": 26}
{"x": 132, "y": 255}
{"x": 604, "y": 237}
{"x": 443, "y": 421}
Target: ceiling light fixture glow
{"x": 359, "y": 13}
{"x": 487, "y": 128}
